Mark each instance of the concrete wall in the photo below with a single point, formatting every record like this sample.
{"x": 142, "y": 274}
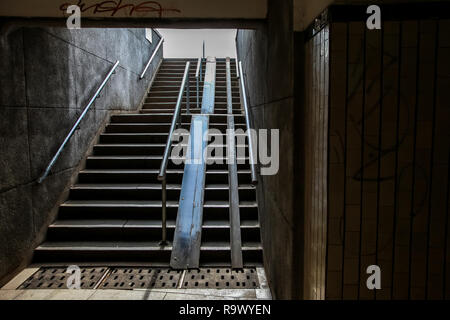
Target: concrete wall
{"x": 268, "y": 63}
{"x": 48, "y": 76}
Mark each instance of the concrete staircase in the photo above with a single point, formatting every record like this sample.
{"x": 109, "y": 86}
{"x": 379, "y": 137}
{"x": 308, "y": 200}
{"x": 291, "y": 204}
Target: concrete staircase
{"x": 113, "y": 213}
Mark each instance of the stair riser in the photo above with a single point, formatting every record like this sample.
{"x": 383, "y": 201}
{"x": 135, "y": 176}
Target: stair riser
{"x": 162, "y": 128}
{"x": 152, "y": 194}
{"x": 193, "y": 83}
{"x": 174, "y": 94}
{"x": 142, "y": 234}
{"x": 129, "y": 164}
{"x": 136, "y": 139}
{"x": 94, "y": 163}
{"x": 158, "y": 88}
{"x": 193, "y": 106}
{"x": 154, "y": 213}
{"x": 167, "y": 118}
{"x": 211, "y": 178}
{"x": 194, "y": 110}
{"x": 158, "y": 128}
{"x": 193, "y": 97}
{"x": 158, "y": 258}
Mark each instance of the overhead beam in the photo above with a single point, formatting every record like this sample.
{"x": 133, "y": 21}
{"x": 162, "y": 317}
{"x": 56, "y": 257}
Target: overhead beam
{"x": 130, "y": 9}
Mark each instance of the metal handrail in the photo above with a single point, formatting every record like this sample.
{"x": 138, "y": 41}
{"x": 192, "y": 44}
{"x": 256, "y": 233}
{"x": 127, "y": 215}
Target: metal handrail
{"x": 152, "y": 57}
{"x": 247, "y": 122}
{"x": 75, "y": 126}
{"x": 165, "y": 161}
{"x": 198, "y": 78}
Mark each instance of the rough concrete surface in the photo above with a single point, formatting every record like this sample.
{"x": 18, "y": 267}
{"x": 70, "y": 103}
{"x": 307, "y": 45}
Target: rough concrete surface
{"x": 48, "y": 76}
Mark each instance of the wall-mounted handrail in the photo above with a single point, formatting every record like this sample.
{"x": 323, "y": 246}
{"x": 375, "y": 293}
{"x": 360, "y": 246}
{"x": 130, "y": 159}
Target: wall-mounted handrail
{"x": 152, "y": 57}
{"x": 165, "y": 161}
{"x": 247, "y": 122}
{"x": 75, "y": 126}
{"x": 198, "y": 78}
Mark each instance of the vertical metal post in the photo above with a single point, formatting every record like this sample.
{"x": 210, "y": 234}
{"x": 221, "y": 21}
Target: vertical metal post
{"x": 197, "y": 75}
{"x": 188, "y": 94}
{"x": 203, "y": 49}
{"x": 198, "y": 98}
{"x": 164, "y": 213}
{"x": 247, "y": 122}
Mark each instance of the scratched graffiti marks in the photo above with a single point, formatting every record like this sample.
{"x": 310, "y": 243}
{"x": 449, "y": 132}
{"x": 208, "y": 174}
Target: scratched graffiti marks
{"x": 121, "y": 7}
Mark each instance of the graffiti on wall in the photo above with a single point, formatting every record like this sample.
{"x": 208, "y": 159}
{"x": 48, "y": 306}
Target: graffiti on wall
{"x": 114, "y": 7}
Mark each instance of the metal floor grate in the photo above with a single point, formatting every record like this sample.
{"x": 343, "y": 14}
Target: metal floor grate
{"x": 145, "y": 278}
{"x": 219, "y": 278}
{"x": 56, "y": 278}
{"x": 141, "y": 278}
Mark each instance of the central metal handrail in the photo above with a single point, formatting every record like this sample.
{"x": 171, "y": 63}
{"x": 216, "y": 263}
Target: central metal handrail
{"x": 161, "y": 41}
{"x": 165, "y": 161}
{"x": 198, "y": 78}
{"x": 75, "y": 126}
{"x": 247, "y": 122}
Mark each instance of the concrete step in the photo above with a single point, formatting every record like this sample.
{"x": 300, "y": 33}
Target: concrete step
{"x": 193, "y": 97}
{"x": 142, "y": 230}
{"x": 139, "y": 191}
{"x": 193, "y": 110}
{"x": 147, "y": 209}
{"x": 152, "y": 162}
{"x": 147, "y": 138}
{"x": 139, "y": 118}
{"x": 210, "y": 252}
{"x": 160, "y": 127}
{"x": 193, "y": 105}
{"x": 155, "y": 149}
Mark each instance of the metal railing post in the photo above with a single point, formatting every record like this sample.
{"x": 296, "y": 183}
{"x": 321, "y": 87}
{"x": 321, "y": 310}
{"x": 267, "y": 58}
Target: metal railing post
{"x": 197, "y": 75}
{"x": 164, "y": 212}
{"x": 188, "y": 90}
{"x": 162, "y": 172}
{"x": 247, "y": 121}
{"x": 203, "y": 49}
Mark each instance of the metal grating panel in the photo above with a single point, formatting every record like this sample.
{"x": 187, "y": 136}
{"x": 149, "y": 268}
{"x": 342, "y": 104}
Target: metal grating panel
{"x": 144, "y": 278}
{"x": 141, "y": 278}
{"x": 56, "y": 278}
{"x": 219, "y": 278}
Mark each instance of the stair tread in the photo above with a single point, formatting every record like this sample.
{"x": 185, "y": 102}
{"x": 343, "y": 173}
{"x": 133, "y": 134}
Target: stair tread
{"x": 139, "y": 223}
{"x": 130, "y": 245}
{"x": 126, "y": 170}
{"x": 130, "y": 145}
{"x": 125, "y": 186}
{"x": 147, "y": 203}
{"x": 132, "y": 186}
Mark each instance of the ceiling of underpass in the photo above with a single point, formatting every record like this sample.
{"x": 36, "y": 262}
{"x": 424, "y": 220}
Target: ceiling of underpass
{"x": 141, "y": 13}
{"x": 172, "y": 13}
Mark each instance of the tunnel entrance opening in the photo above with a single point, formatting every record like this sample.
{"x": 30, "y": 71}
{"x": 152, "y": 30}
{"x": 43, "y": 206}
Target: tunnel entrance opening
{"x": 106, "y": 212}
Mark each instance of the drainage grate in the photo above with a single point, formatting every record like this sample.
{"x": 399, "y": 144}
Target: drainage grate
{"x": 219, "y": 278}
{"x": 56, "y": 278}
{"x": 141, "y": 278}
{"x": 145, "y": 278}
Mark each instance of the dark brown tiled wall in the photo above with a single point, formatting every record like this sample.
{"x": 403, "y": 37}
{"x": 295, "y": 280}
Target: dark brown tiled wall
{"x": 388, "y": 160}
{"x": 316, "y": 155}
